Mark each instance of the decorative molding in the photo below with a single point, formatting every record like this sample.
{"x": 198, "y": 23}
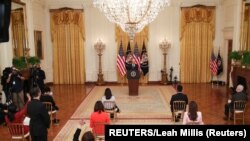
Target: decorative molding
{"x": 228, "y": 32}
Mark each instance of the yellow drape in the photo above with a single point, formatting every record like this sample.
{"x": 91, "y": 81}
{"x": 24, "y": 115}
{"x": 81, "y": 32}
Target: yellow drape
{"x": 18, "y": 32}
{"x": 245, "y": 32}
{"x": 139, "y": 38}
{"x": 197, "y": 35}
{"x": 68, "y": 37}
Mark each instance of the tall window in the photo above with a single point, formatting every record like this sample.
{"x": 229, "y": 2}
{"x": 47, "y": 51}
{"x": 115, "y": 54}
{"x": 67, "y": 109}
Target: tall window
{"x": 197, "y": 35}
{"x": 67, "y": 31}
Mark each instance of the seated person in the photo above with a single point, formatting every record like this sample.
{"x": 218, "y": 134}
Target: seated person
{"x": 88, "y": 136}
{"x": 47, "y": 91}
{"x": 12, "y": 116}
{"x": 109, "y": 97}
{"x": 178, "y": 97}
{"x": 46, "y": 97}
{"x": 239, "y": 95}
{"x": 98, "y": 116}
{"x": 193, "y": 115}
{"x": 2, "y": 113}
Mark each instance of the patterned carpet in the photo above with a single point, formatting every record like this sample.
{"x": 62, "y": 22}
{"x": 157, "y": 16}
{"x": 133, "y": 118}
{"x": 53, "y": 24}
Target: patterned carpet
{"x": 151, "y": 106}
{"x": 67, "y": 132}
{"x": 152, "y": 102}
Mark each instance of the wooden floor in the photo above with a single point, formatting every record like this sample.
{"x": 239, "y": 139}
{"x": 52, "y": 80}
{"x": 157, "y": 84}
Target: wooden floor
{"x": 210, "y": 100}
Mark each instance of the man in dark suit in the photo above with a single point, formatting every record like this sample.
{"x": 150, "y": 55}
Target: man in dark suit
{"x": 39, "y": 117}
{"x": 47, "y": 97}
{"x": 239, "y": 95}
{"x": 132, "y": 66}
{"x": 178, "y": 97}
{"x": 38, "y": 76}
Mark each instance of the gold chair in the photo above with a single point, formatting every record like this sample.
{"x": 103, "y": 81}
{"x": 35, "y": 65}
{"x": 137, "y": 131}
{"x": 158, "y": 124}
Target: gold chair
{"x": 48, "y": 106}
{"x": 179, "y": 107}
{"x": 109, "y": 108}
{"x": 17, "y": 132}
{"x": 239, "y": 109}
{"x": 98, "y": 130}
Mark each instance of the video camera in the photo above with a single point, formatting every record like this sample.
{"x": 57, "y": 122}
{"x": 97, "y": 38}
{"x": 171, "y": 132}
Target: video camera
{"x": 5, "y": 76}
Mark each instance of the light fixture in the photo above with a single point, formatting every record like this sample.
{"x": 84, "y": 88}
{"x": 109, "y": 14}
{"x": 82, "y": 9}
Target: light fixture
{"x": 164, "y": 46}
{"x": 99, "y": 47}
{"x": 131, "y": 15}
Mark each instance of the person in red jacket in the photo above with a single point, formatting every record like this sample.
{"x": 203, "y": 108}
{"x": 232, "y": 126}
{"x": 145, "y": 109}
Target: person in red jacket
{"x": 98, "y": 116}
{"x": 12, "y": 116}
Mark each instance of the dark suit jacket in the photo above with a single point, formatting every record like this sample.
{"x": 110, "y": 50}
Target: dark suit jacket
{"x": 178, "y": 97}
{"x": 39, "y": 118}
{"x": 48, "y": 98}
{"x": 238, "y": 96}
{"x": 40, "y": 76}
{"x": 131, "y": 67}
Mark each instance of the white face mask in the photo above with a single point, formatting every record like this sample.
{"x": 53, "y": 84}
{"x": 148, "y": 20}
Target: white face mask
{"x": 51, "y": 93}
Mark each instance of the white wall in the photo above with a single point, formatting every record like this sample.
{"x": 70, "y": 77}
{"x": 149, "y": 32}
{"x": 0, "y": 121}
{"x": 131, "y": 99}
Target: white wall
{"x": 230, "y": 25}
{"x": 97, "y": 26}
{"x": 165, "y": 26}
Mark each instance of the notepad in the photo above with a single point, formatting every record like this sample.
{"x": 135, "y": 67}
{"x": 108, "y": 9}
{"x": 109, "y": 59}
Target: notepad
{"x": 26, "y": 121}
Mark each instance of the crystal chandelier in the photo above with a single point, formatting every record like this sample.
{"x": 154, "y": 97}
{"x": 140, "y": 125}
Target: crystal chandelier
{"x": 131, "y": 15}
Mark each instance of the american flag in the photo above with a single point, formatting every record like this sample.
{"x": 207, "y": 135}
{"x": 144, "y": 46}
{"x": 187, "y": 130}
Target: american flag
{"x": 219, "y": 64}
{"x": 137, "y": 56}
{"x": 213, "y": 64}
{"x": 121, "y": 61}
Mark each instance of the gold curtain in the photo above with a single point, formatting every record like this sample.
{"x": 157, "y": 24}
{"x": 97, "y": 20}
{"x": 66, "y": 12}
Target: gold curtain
{"x": 139, "y": 38}
{"x": 197, "y": 35}
{"x": 245, "y": 32}
{"x": 68, "y": 38}
{"x": 18, "y": 32}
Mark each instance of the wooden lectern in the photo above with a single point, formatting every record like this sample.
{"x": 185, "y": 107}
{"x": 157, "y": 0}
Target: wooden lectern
{"x": 133, "y": 82}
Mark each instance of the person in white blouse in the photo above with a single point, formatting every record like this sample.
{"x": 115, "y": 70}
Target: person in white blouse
{"x": 193, "y": 116}
{"x": 109, "y": 97}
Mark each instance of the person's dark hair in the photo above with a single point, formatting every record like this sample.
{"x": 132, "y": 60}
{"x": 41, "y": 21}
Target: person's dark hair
{"x": 46, "y": 89}
{"x": 34, "y": 92}
{"x": 192, "y": 111}
{"x": 108, "y": 93}
{"x": 11, "y": 112}
{"x": 179, "y": 88}
{"x": 88, "y": 136}
{"x": 3, "y": 106}
{"x": 98, "y": 107}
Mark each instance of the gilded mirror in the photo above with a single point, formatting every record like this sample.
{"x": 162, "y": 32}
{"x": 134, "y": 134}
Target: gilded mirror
{"x": 19, "y": 28}
{"x": 245, "y": 26}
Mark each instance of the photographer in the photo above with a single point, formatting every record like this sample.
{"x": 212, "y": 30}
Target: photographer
{"x": 2, "y": 113}
{"x": 38, "y": 77}
{"x": 6, "y": 87}
{"x": 15, "y": 80}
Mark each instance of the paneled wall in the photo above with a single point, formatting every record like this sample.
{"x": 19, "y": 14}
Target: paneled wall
{"x": 97, "y": 26}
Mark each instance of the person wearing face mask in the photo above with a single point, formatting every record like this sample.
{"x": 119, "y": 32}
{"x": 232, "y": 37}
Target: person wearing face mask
{"x": 15, "y": 80}
{"x": 47, "y": 97}
{"x": 38, "y": 76}
{"x": 239, "y": 95}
